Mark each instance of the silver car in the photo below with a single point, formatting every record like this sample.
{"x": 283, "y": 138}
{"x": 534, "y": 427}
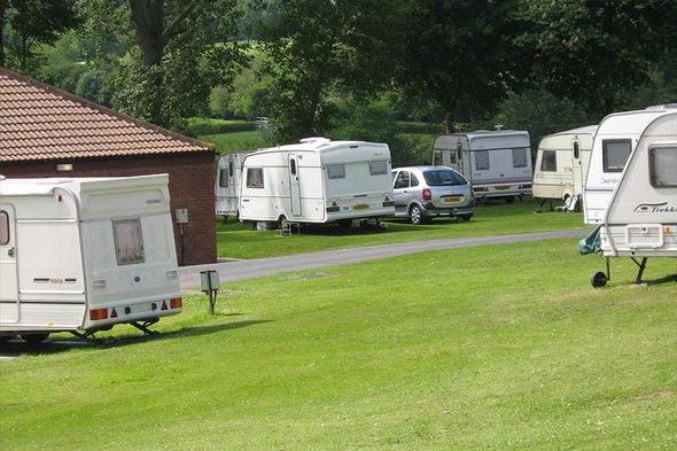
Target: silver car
{"x": 424, "y": 192}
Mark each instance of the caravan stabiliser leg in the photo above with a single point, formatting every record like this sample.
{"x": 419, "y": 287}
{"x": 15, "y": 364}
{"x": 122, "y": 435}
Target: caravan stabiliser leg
{"x": 642, "y": 266}
{"x": 144, "y": 326}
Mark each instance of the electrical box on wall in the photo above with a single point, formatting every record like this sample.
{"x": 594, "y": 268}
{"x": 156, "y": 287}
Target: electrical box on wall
{"x": 181, "y": 215}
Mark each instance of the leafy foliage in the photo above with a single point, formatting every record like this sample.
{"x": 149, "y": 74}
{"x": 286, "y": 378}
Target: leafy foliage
{"x": 597, "y": 52}
{"x": 31, "y": 22}
{"x": 462, "y": 57}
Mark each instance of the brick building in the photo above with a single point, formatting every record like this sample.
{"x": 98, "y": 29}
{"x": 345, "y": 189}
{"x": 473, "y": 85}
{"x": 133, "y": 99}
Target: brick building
{"x": 45, "y": 132}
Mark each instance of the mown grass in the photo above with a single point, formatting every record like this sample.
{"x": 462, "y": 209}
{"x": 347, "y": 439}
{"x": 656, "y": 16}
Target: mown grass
{"x": 486, "y": 348}
{"x": 235, "y": 141}
{"x": 235, "y": 240}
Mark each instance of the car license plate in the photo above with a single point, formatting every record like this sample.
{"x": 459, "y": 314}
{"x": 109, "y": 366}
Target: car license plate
{"x": 502, "y": 187}
{"x": 451, "y": 199}
{"x": 360, "y": 207}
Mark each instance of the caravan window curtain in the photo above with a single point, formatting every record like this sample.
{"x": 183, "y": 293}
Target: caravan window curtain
{"x": 519, "y": 158}
{"x": 481, "y": 160}
{"x": 254, "y": 177}
{"x": 4, "y": 228}
{"x": 128, "y": 241}
{"x": 615, "y": 153}
{"x": 549, "y": 161}
{"x": 663, "y": 167}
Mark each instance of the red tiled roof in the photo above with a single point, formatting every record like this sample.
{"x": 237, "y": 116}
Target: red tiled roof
{"x": 38, "y": 122}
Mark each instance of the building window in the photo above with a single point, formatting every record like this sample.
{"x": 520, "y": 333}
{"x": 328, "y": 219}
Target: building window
{"x": 254, "y": 177}
{"x": 4, "y": 228}
{"x": 549, "y": 161}
{"x": 615, "y": 153}
{"x": 128, "y": 241}
{"x": 336, "y": 171}
{"x": 223, "y": 178}
{"x": 519, "y": 158}
{"x": 481, "y": 160}
{"x": 380, "y": 168}
{"x": 663, "y": 167}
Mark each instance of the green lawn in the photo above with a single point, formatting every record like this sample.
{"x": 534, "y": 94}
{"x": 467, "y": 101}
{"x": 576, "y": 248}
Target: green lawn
{"x": 485, "y": 348}
{"x": 235, "y": 141}
{"x": 237, "y": 240}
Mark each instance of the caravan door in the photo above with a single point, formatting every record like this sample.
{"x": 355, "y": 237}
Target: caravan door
{"x": 9, "y": 294}
{"x": 577, "y": 166}
{"x": 294, "y": 187}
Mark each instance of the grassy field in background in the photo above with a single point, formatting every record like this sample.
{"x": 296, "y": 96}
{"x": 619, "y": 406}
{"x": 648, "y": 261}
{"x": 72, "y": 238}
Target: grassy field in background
{"x": 235, "y": 141}
{"x": 485, "y": 348}
{"x": 235, "y": 240}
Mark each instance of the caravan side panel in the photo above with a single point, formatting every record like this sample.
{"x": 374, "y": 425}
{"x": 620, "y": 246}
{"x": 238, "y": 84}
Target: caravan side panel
{"x": 642, "y": 216}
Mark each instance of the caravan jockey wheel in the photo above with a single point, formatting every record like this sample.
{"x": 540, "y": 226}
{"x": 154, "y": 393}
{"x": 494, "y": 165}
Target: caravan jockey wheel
{"x": 599, "y": 279}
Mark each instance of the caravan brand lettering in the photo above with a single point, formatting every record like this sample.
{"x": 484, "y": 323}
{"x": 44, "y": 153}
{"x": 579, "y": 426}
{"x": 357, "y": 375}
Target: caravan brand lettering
{"x": 661, "y": 207}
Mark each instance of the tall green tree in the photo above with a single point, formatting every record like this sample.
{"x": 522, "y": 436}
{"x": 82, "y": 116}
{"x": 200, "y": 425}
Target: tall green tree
{"x": 462, "y": 57}
{"x": 319, "y": 48}
{"x": 26, "y": 23}
{"x": 596, "y": 52}
{"x": 182, "y": 49}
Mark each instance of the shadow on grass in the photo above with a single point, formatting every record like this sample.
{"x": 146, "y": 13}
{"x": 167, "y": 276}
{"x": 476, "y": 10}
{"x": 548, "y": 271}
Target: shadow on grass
{"x": 670, "y": 278}
{"x": 17, "y": 347}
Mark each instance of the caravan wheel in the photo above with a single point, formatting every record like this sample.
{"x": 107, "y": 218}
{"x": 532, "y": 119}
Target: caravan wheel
{"x": 34, "y": 338}
{"x": 598, "y": 279}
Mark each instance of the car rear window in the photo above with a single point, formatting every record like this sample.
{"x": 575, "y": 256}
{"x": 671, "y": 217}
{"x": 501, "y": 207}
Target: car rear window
{"x": 442, "y": 177}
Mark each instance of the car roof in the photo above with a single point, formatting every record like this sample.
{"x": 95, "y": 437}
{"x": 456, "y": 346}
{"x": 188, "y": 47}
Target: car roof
{"x": 423, "y": 168}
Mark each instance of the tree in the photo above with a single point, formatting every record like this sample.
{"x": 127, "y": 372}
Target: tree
{"x": 596, "y": 52}
{"x": 463, "y": 57}
{"x": 183, "y": 48}
{"x": 29, "y": 22}
{"x": 322, "y": 47}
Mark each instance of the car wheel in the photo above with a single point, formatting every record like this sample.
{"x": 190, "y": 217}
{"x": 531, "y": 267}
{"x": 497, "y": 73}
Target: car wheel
{"x": 34, "y": 338}
{"x": 416, "y": 215}
{"x": 464, "y": 218}
{"x": 510, "y": 199}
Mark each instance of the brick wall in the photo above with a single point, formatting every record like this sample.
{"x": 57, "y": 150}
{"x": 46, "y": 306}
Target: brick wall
{"x": 191, "y": 186}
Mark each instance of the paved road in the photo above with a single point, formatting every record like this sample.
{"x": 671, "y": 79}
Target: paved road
{"x": 248, "y": 269}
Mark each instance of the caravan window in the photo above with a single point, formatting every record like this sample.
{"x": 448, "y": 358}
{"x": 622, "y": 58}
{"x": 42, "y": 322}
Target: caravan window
{"x": 519, "y": 158}
{"x": 230, "y": 168}
{"x": 223, "y": 178}
{"x": 336, "y": 171}
{"x": 615, "y": 153}
{"x": 663, "y": 167}
{"x": 4, "y": 228}
{"x": 549, "y": 161}
{"x": 481, "y": 160}
{"x": 128, "y": 241}
{"x": 380, "y": 168}
{"x": 254, "y": 177}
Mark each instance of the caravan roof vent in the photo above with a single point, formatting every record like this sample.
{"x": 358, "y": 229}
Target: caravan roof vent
{"x": 315, "y": 140}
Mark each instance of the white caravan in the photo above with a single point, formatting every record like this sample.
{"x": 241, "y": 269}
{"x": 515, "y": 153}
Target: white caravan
{"x": 561, "y": 166}
{"x": 631, "y": 189}
{"x": 317, "y": 181}
{"x": 497, "y": 163}
{"x": 81, "y": 255}
{"x": 227, "y": 185}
